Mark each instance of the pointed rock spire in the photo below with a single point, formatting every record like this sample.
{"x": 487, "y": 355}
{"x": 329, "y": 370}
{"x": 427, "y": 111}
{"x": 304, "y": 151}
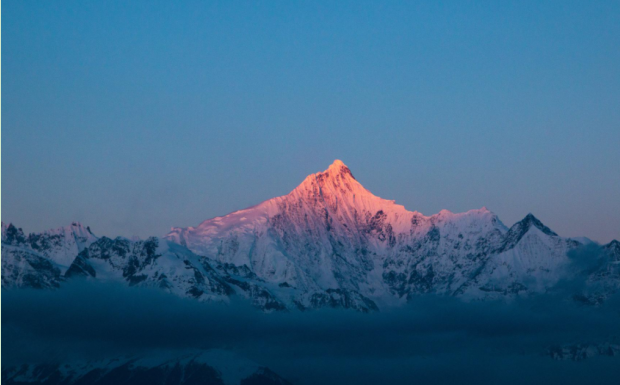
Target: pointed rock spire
{"x": 531, "y": 220}
{"x": 519, "y": 229}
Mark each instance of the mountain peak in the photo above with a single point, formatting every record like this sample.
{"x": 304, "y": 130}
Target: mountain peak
{"x": 519, "y": 229}
{"x": 335, "y": 177}
{"x": 337, "y": 163}
{"x": 613, "y": 245}
{"x": 338, "y": 168}
{"x": 531, "y": 220}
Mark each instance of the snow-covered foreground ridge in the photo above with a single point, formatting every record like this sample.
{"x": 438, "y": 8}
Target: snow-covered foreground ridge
{"x": 329, "y": 242}
{"x": 209, "y": 367}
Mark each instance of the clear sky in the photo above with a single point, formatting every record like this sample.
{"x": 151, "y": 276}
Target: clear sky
{"x": 133, "y": 117}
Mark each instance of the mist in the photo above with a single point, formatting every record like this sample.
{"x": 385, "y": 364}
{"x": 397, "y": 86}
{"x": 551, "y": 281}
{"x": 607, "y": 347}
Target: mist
{"x": 432, "y": 339}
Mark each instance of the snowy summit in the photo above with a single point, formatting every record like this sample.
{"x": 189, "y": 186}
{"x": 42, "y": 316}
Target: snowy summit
{"x": 329, "y": 242}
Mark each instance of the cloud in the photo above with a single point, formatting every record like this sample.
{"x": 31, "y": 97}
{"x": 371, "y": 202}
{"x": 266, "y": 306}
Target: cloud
{"x": 431, "y": 340}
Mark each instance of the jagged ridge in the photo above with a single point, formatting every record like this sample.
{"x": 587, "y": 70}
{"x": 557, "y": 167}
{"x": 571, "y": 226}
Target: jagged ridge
{"x": 212, "y": 367}
{"x": 329, "y": 242}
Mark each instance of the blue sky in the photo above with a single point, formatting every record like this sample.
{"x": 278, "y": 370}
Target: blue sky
{"x": 133, "y": 117}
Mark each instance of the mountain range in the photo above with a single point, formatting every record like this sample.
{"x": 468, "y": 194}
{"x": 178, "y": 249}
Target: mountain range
{"x": 328, "y": 243}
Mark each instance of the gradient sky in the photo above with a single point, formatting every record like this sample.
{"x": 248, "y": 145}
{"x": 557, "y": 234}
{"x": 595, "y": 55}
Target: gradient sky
{"x": 133, "y": 117}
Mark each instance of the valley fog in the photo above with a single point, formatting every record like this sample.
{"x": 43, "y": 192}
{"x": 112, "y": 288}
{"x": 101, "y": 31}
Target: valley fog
{"x": 432, "y": 339}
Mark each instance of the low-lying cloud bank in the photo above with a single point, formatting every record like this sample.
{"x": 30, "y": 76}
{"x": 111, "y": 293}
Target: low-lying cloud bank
{"x": 430, "y": 340}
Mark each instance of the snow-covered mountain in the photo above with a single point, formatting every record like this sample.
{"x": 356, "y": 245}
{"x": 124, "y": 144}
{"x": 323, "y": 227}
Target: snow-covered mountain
{"x": 329, "y": 242}
{"x": 157, "y": 262}
{"x": 330, "y": 233}
{"x": 60, "y": 245}
{"x": 210, "y": 367}
{"x": 40, "y": 260}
